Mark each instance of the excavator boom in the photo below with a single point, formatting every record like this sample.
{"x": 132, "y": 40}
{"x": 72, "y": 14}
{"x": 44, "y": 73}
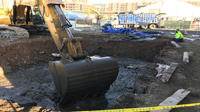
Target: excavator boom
{"x": 91, "y": 9}
{"x": 76, "y": 75}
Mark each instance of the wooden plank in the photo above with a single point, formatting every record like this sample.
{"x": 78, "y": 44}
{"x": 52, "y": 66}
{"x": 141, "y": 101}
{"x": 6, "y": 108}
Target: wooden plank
{"x": 135, "y": 67}
{"x": 178, "y": 96}
{"x": 186, "y": 57}
{"x": 1, "y": 72}
{"x": 185, "y": 38}
{"x": 174, "y": 43}
{"x": 168, "y": 73}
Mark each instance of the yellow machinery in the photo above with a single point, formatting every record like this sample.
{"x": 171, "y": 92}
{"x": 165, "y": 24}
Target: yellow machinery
{"x": 76, "y": 75}
{"x": 7, "y": 31}
{"x": 91, "y": 9}
{"x": 4, "y": 15}
{"x": 18, "y": 15}
{"x": 99, "y": 16}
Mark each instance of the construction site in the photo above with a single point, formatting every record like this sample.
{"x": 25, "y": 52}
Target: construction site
{"x": 59, "y": 64}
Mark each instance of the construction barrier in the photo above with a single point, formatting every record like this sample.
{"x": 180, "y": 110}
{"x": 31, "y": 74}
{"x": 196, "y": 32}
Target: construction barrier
{"x": 143, "y": 109}
{"x": 177, "y": 24}
{"x": 84, "y": 21}
{"x": 182, "y": 23}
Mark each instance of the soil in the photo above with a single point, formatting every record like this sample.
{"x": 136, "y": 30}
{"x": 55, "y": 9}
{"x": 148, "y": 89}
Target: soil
{"x": 24, "y": 68}
{"x": 186, "y": 76}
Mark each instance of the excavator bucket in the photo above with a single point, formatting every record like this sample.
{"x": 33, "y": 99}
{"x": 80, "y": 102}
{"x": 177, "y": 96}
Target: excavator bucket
{"x": 85, "y": 78}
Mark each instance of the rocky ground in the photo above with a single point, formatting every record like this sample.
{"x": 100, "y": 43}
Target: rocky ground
{"x": 26, "y": 82}
{"x": 186, "y": 76}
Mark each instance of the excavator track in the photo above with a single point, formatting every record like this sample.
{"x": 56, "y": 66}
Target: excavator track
{"x": 12, "y": 32}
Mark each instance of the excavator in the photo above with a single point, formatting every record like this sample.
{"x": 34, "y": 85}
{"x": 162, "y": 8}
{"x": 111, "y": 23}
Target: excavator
{"x": 27, "y": 17}
{"x": 99, "y": 16}
{"x": 91, "y": 9}
{"x": 10, "y": 32}
{"x": 77, "y": 75}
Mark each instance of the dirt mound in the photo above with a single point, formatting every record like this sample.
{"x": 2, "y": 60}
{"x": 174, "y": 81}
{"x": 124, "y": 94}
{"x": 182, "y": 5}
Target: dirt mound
{"x": 9, "y": 106}
{"x": 146, "y": 50}
{"x": 96, "y": 43}
{"x": 25, "y": 53}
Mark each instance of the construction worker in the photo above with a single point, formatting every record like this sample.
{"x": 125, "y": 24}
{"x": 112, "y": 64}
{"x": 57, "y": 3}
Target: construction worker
{"x": 178, "y": 36}
{"x": 37, "y": 13}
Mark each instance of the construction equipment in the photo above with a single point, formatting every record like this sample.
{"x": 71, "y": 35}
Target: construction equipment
{"x": 97, "y": 12}
{"x": 98, "y": 17}
{"x": 14, "y": 19}
{"x": 10, "y": 32}
{"x": 131, "y": 20}
{"x": 76, "y": 75}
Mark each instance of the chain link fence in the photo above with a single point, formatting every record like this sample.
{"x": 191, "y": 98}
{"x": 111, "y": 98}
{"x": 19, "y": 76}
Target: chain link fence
{"x": 180, "y": 23}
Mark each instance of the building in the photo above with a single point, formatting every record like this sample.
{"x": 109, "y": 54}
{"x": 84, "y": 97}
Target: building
{"x": 194, "y": 2}
{"x": 77, "y": 1}
{"x": 81, "y": 1}
{"x": 79, "y": 5}
{"x": 124, "y": 7}
{"x": 101, "y": 7}
{"x": 82, "y": 5}
{"x": 133, "y": 6}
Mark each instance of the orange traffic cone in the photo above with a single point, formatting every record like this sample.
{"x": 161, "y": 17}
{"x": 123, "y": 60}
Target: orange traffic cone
{"x": 185, "y": 32}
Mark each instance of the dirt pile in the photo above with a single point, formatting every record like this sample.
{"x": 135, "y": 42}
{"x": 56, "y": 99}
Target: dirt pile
{"x": 139, "y": 50}
{"x": 9, "y": 106}
{"x": 15, "y": 55}
{"x": 103, "y": 44}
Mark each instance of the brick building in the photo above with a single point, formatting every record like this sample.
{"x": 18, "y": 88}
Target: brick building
{"x": 82, "y": 5}
{"x": 78, "y": 5}
{"x": 121, "y": 7}
{"x": 196, "y": 3}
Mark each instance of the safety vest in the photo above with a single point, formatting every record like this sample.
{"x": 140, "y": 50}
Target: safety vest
{"x": 37, "y": 13}
{"x": 179, "y": 35}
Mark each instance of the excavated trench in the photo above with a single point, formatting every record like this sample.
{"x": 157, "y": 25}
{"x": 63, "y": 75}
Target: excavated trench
{"x": 26, "y": 78}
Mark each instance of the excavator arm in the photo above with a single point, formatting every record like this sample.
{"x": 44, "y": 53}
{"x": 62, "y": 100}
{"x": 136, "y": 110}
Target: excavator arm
{"x": 76, "y": 75}
{"x": 51, "y": 10}
{"x": 91, "y": 9}
{"x": 69, "y": 46}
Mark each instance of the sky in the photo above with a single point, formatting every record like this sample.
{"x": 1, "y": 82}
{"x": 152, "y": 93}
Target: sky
{"x": 108, "y": 1}
{"x": 112, "y": 1}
